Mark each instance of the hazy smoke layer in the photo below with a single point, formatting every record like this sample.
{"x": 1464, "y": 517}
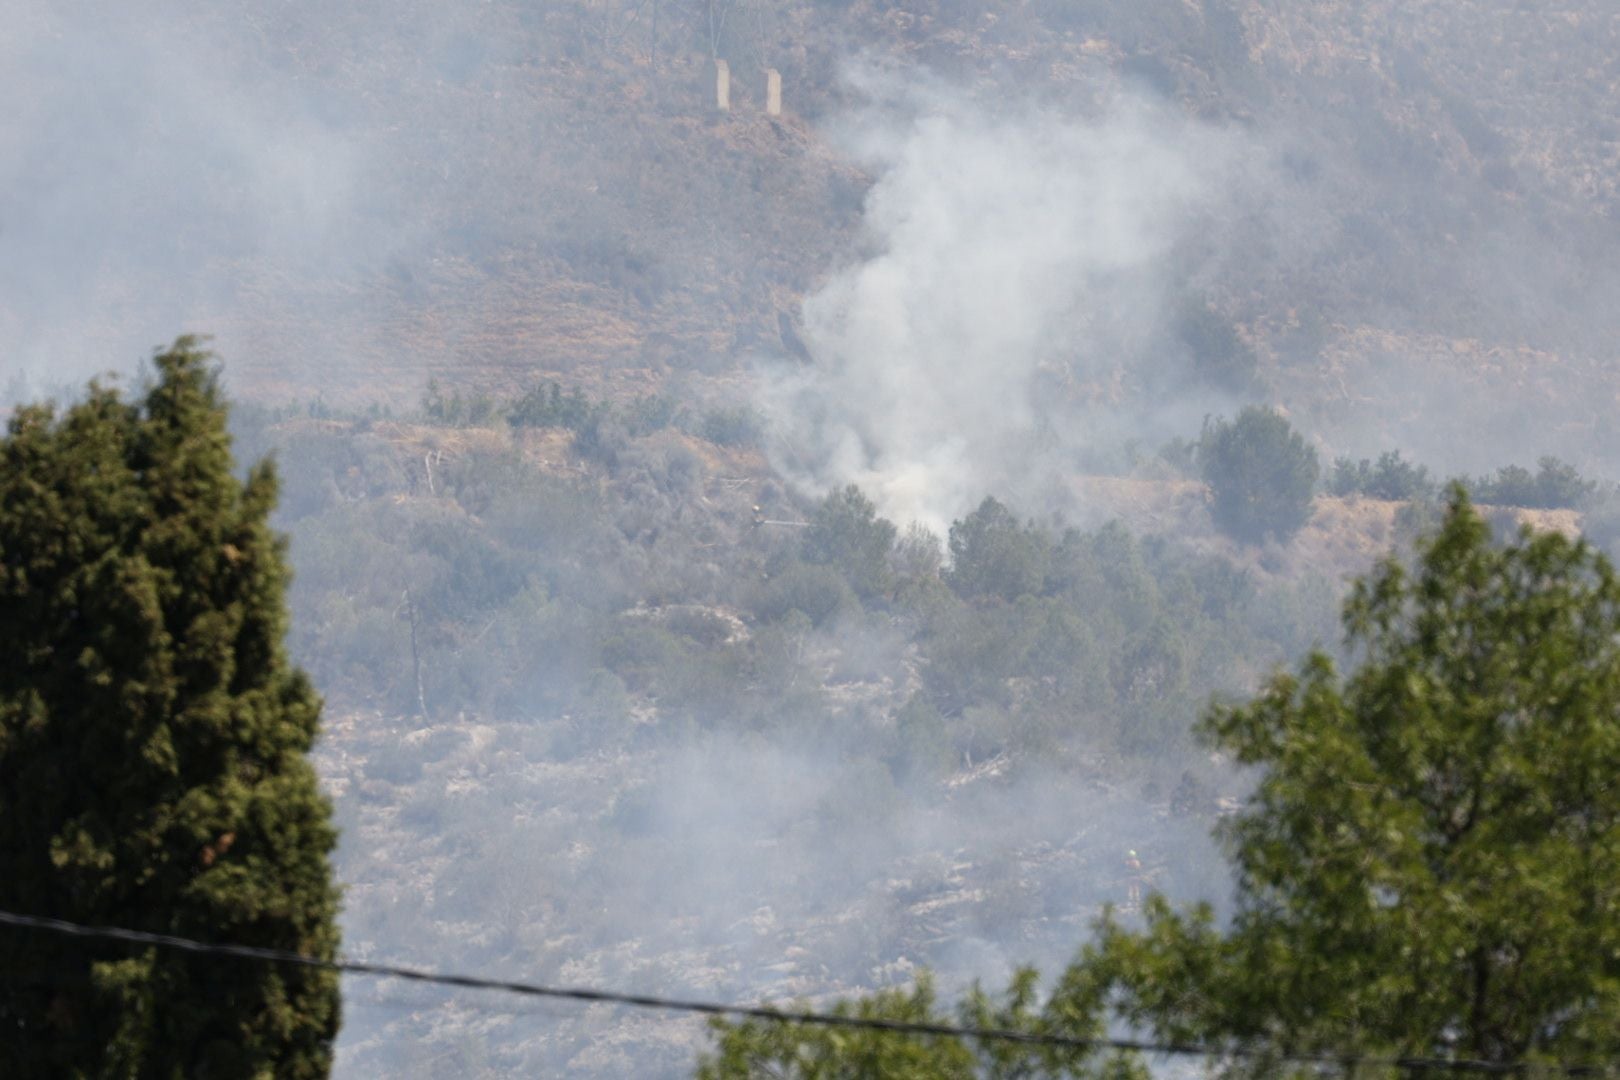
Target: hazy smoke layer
{"x": 733, "y": 868}
{"x": 1020, "y": 269}
{"x": 138, "y": 175}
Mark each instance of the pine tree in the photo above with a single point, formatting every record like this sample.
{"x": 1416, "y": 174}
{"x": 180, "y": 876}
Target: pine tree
{"x": 846, "y": 533}
{"x": 153, "y": 747}
{"x": 1261, "y": 475}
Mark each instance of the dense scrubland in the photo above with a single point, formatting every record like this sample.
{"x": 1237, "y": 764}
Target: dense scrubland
{"x": 608, "y": 697}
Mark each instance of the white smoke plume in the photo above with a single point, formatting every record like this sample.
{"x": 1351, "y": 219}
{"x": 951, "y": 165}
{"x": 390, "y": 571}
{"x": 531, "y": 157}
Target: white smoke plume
{"x": 1020, "y": 265}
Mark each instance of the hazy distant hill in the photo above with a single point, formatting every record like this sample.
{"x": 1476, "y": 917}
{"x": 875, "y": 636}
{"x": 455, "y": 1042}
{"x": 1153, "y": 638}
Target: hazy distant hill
{"x": 381, "y": 193}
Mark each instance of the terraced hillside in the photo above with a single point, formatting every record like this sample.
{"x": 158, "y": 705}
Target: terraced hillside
{"x": 488, "y": 194}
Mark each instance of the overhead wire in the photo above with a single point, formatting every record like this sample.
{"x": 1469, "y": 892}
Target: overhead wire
{"x": 787, "y": 1016}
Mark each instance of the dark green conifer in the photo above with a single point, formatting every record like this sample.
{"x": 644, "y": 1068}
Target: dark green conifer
{"x": 153, "y": 747}
{"x": 1261, "y": 475}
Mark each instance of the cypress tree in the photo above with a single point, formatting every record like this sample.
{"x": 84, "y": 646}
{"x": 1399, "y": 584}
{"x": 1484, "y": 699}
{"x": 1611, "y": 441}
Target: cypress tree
{"x": 153, "y": 747}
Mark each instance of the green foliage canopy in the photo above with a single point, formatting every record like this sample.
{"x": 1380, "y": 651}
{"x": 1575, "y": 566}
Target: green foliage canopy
{"x": 1391, "y": 477}
{"x": 545, "y": 405}
{"x": 1260, "y": 473}
{"x": 1430, "y": 864}
{"x": 1555, "y": 484}
{"x": 845, "y": 532}
{"x": 992, "y": 555}
{"x": 767, "y": 1048}
{"x": 153, "y": 742}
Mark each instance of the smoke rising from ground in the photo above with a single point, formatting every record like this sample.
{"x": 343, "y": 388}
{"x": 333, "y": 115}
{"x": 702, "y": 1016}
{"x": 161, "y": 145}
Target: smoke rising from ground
{"x": 1023, "y": 268}
{"x": 738, "y": 868}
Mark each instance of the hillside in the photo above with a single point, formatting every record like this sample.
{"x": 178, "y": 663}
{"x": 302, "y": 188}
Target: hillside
{"x": 648, "y": 742}
{"x": 512, "y": 191}
{"x": 752, "y": 557}
{"x": 654, "y": 746}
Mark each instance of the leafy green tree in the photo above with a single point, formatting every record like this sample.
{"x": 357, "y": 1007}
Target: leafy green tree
{"x": 993, "y": 555}
{"x": 1260, "y": 473}
{"x": 1392, "y": 478}
{"x": 453, "y": 410}
{"x": 768, "y": 1048}
{"x": 1555, "y": 484}
{"x": 817, "y": 592}
{"x": 916, "y": 559}
{"x": 543, "y": 406}
{"x": 1349, "y": 477}
{"x": 153, "y": 742}
{"x": 1430, "y": 864}
{"x": 1559, "y": 484}
{"x": 846, "y": 533}
{"x": 1150, "y": 680}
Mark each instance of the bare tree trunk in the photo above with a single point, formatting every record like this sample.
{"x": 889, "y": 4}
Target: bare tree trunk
{"x": 416, "y": 657}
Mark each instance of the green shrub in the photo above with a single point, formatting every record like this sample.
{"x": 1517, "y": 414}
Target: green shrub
{"x": 922, "y": 749}
{"x": 1555, "y": 485}
{"x": 992, "y": 555}
{"x": 846, "y": 533}
{"x": 649, "y": 414}
{"x": 547, "y": 406}
{"x": 735, "y": 427}
{"x": 1260, "y": 473}
{"x": 819, "y": 592}
{"x": 452, "y": 410}
{"x": 601, "y": 438}
{"x": 1392, "y": 478}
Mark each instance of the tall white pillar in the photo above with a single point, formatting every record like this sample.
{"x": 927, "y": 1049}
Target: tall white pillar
{"x": 722, "y": 86}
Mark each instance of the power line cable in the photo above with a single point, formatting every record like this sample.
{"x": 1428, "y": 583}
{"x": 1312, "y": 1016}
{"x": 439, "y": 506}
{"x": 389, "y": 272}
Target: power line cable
{"x": 760, "y": 1012}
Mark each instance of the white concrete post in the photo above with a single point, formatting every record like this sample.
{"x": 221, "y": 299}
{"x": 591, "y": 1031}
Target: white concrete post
{"x": 773, "y": 92}
{"x": 722, "y": 85}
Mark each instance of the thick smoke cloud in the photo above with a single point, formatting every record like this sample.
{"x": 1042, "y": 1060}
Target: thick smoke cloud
{"x": 144, "y": 185}
{"x": 1022, "y": 268}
